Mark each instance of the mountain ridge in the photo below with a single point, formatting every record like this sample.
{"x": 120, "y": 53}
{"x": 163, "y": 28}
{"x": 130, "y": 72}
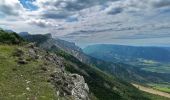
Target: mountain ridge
{"x": 130, "y": 52}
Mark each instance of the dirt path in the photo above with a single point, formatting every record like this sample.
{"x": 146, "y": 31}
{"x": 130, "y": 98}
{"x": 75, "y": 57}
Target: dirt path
{"x": 150, "y": 90}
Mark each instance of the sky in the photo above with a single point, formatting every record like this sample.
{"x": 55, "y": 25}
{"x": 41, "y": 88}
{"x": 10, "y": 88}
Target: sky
{"x": 86, "y": 22}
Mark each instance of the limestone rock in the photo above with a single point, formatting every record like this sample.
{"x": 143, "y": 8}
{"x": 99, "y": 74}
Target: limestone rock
{"x": 70, "y": 85}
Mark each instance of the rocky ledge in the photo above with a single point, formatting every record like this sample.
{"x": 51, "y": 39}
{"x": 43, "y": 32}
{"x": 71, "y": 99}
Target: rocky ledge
{"x": 67, "y": 85}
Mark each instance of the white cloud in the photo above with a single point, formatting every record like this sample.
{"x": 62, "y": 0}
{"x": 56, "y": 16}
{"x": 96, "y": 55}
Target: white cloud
{"x": 40, "y": 22}
{"x": 136, "y": 6}
{"x": 10, "y": 7}
{"x": 160, "y": 3}
{"x": 58, "y": 9}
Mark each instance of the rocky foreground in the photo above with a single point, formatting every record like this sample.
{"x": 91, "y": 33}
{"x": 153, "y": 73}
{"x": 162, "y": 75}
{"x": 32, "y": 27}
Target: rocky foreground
{"x": 67, "y": 85}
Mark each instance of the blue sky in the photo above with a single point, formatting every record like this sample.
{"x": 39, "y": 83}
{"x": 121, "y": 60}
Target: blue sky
{"x": 28, "y": 4}
{"x": 127, "y": 22}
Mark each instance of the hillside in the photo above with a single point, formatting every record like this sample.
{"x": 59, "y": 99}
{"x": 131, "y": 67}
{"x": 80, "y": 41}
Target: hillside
{"x": 30, "y": 73}
{"x": 102, "y": 86}
{"x": 139, "y": 61}
{"x": 10, "y": 37}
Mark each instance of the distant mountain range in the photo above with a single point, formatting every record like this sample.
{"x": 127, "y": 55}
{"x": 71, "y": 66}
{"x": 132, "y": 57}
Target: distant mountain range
{"x": 24, "y": 33}
{"x": 128, "y": 53}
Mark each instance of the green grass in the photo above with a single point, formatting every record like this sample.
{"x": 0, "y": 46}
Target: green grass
{"x": 164, "y": 89}
{"x": 20, "y": 82}
{"x": 159, "y": 69}
{"x": 151, "y": 66}
{"x": 154, "y": 97}
{"x": 161, "y": 87}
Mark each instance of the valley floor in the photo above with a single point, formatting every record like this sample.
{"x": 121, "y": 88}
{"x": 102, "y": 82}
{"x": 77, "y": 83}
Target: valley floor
{"x": 152, "y": 91}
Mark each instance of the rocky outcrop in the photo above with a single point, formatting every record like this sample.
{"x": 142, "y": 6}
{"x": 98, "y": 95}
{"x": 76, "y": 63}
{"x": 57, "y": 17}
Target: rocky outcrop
{"x": 70, "y": 84}
{"x": 48, "y": 42}
{"x": 66, "y": 84}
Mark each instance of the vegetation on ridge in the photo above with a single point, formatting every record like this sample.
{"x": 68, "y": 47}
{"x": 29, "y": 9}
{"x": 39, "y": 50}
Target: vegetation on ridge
{"x": 10, "y": 38}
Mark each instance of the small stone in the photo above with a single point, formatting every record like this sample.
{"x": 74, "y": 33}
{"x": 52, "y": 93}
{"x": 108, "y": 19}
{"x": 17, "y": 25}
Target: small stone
{"x": 22, "y": 62}
{"x": 28, "y": 81}
{"x": 28, "y": 89}
{"x": 58, "y": 93}
{"x": 44, "y": 68}
{"x": 14, "y": 69}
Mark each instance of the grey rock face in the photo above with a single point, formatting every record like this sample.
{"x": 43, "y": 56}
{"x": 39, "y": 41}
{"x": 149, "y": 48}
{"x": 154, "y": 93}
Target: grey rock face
{"x": 80, "y": 90}
{"x": 70, "y": 85}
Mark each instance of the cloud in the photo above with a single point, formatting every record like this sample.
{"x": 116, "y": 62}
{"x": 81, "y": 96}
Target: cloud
{"x": 136, "y": 6}
{"x": 114, "y": 8}
{"x": 61, "y": 9}
{"x": 160, "y": 3}
{"x": 52, "y": 14}
{"x": 114, "y": 11}
{"x": 10, "y": 7}
{"x": 90, "y": 32}
{"x": 69, "y": 5}
{"x": 143, "y": 36}
{"x": 40, "y": 22}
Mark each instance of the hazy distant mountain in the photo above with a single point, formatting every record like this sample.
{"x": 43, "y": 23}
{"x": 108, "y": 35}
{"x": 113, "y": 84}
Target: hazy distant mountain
{"x": 128, "y": 53}
{"x": 24, "y": 33}
{"x": 10, "y": 31}
{"x": 145, "y": 63}
{"x": 38, "y": 38}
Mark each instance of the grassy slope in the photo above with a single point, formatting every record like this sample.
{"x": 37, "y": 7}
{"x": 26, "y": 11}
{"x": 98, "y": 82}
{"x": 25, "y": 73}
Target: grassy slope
{"x": 16, "y": 80}
{"x": 151, "y": 90}
{"x": 162, "y": 87}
